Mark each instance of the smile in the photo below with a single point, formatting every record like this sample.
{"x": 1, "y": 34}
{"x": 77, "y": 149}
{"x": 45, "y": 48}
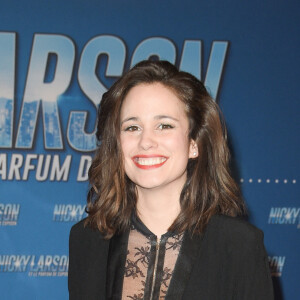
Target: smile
{"x": 144, "y": 162}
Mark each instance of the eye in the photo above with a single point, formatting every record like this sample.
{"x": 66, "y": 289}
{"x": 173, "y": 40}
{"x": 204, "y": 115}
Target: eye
{"x": 132, "y": 128}
{"x": 165, "y": 126}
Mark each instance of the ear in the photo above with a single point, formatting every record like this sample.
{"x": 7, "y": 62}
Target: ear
{"x": 193, "y": 151}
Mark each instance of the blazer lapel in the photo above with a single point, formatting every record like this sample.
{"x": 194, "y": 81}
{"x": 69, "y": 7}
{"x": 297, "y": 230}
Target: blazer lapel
{"x": 188, "y": 253}
{"x": 115, "y": 266}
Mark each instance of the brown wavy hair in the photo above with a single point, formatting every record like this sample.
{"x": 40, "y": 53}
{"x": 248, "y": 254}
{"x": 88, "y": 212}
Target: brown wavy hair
{"x": 209, "y": 188}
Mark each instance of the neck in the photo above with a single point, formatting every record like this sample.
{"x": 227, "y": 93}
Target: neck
{"x": 158, "y": 208}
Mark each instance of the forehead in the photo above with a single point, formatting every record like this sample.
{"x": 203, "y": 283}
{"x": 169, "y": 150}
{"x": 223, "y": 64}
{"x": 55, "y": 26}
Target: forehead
{"x": 152, "y": 99}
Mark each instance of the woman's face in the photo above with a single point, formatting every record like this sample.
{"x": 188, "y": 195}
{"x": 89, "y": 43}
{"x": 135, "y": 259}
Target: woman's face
{"x": 154, "y": 137}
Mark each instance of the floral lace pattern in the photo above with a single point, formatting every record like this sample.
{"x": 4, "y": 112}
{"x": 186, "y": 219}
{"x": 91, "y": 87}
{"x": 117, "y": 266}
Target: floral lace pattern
{"x": 137, "y": 264}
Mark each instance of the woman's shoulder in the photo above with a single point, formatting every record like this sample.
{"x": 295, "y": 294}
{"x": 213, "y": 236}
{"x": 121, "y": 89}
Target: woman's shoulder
{"x": 235, "y": 230}
{"x": 81, "y": 232}
{"x": 88, "y": 252}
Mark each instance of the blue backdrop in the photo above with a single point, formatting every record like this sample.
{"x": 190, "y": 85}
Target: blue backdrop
{"x": 56, "y": 60}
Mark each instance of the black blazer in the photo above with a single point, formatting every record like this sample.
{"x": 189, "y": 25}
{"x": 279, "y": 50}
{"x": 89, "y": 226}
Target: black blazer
{"x": 227, "y": 262}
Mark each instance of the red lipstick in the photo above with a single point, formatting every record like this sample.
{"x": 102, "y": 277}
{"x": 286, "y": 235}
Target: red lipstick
{"x": 142, "y": 164}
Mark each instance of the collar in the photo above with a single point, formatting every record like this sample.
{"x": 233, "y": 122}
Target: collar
{"x": 142, "y": 228}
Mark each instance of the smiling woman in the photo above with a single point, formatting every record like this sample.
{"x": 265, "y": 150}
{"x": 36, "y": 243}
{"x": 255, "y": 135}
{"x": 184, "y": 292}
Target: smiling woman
{"x": 163, "y": 209}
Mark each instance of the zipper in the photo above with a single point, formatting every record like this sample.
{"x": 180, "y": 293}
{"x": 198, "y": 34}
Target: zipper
{"x": 155, "y": 267}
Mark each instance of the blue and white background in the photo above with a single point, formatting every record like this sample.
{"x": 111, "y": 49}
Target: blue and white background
{"x": 56, "y": 60}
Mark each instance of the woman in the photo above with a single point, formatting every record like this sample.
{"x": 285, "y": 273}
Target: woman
{"x": 162, "y": 205}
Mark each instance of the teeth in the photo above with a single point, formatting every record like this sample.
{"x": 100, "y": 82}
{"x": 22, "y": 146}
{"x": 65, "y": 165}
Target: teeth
{"x": 150, "y": 161}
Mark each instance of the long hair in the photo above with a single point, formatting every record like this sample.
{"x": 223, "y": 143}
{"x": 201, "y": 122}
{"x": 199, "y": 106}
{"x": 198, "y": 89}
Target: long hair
{"x": 209, "y": 188}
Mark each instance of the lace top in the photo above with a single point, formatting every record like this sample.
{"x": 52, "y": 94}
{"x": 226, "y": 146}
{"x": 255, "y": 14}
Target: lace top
{"x": 146, "y": 266}
{"x": 149, "y": 265}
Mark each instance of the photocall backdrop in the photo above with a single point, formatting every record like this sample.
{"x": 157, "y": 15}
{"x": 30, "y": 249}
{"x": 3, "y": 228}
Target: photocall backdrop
{"x": 56, "y": 60}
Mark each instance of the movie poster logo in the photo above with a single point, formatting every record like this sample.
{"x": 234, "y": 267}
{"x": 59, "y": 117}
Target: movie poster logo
{"x": 9, "y": 214}
{"x": 68, "y": 213}
{"x": 41, "y": 113}
{"x": 285, "y": 216}
{"x": 35, "y": 266}
{"x": 276, "y": 264}
{"x": 20, "y": 166}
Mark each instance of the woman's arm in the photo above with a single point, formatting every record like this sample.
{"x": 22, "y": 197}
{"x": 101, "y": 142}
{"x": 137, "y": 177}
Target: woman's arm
{"x": 253, "y": 279}
{"x": 87, "y": 263}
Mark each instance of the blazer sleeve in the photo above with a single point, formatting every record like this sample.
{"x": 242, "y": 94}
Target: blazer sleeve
{"x": 87, "y": 263}
{"x": 254, "y": 279}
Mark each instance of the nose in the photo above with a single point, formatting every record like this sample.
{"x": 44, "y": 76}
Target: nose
{"x": 147, "y": 140}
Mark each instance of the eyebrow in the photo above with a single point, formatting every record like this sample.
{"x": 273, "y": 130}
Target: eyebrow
{"x": 159, "y": 117}
{"x": 129, "y": 119}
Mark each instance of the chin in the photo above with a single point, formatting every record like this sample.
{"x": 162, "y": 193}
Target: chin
{"x": 149, "y": 184}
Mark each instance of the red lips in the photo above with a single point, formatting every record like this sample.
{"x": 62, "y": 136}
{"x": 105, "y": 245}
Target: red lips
{"x": 137, "y": 162}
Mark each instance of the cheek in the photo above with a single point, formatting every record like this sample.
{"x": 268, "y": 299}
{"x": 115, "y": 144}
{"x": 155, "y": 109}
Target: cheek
{"x": 179, "y": 144}
{"x": 126, "y": 143}
{"x": 127, "y": 147}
